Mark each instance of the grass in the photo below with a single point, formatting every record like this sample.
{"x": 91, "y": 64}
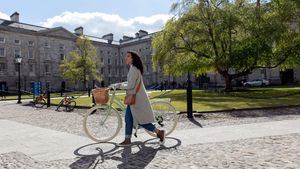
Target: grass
{"x": 204, "y": 100}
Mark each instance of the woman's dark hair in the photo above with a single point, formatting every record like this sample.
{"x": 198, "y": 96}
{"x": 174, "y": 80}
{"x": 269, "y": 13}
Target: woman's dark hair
{"x": 137, "y": 61}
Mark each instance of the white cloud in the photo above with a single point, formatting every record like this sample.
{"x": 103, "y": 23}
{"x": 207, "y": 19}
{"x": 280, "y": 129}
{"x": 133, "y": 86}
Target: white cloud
{"x": 4, "y": 16}
{"x": 99, "y": 24}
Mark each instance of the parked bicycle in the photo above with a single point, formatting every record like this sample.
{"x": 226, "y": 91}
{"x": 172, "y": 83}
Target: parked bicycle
{"x": 103, "y": 122}
{"x": 68, "y": 102}
{"x": 40, "y": 101}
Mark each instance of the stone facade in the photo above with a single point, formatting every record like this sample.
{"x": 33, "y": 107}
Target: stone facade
{"x": 43, "y": 49}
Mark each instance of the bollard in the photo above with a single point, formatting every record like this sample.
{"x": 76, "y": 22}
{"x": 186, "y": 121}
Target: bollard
{"x": 48, "y": 97}
{"x": 89, "y": 92}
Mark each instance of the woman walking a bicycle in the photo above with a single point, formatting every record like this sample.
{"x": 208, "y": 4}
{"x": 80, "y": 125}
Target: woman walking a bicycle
{"x": 138, "y": 109}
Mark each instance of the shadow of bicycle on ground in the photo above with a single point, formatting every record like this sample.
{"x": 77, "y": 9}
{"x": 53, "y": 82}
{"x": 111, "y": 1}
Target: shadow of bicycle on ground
{"x": 139, "y": 155}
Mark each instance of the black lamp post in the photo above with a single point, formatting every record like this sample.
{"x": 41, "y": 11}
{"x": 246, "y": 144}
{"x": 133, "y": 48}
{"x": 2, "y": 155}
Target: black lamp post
{"x": 19, "y": 60}
{"x": 189, "y": 97}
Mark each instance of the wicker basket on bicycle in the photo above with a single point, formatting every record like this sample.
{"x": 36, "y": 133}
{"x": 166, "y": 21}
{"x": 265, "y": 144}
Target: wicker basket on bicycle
{"x": 101, "y": 95}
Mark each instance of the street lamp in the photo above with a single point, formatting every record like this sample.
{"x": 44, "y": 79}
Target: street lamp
{"x": 189, "y": 97}
{"x": 19, "y": 60}
{"x": 189, "y": 89}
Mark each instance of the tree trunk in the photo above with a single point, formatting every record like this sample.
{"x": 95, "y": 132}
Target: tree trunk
{"x": 84, "y": 82}
{"x": 228, "y": 80}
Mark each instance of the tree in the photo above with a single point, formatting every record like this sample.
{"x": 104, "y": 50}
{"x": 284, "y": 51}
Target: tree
{"x": 229, "y": 37}
{"x": 83, "y": 64}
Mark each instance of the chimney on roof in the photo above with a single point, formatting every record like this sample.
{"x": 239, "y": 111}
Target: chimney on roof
{"x": 15, "y": 17}
{"x": 108, "y": 37}
{"x": 137, "y": 35}
{"x": 79, "y": 30}
{"x": 125, "y": 38}
{"x": 142, "y": 33}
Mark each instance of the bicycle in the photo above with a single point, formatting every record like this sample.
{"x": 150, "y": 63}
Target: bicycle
{"x": 103, "y": 122}
{"x": 40, "y": 101}
{"x": 68, "y": 102}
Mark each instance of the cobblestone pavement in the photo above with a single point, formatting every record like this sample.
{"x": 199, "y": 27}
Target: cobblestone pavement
{"x": 71, "y": 122}
{"x": 266, "y": 152}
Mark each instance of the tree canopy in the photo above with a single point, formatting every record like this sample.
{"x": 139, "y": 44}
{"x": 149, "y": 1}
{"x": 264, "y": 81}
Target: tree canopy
{"x": 83, "y": 64}
{"x": 229, "y": 37}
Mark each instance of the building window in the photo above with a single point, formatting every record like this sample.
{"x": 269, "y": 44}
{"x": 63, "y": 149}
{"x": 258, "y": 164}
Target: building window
{"x": 263, "y": 71}
{"x": 47, "y": 45}
{"x": 2, "y": 52}
{"x": 108, "y": 61}
{"x": 30, "y": 54}
{"x": 30, "y": 43}
{"x": 102, "y": 71}
{"x": 116, "y": 53}
{"x": 17, "y": 41}
{"x": 108, "y": 70}
{"x": 31, "y": 68}
{"x": 47, "y": 68}
{"x": 62, "y": 56}
{"x": 31, "y": 85}
{"x": 147, "y": 68}
{"x": 117, "y": 71}
{"x": 17, "y": 53}
{"x": 116, "y": 61}
{"x": 2, "y": 67}
{"x": 61, "y": 47}
{"x": 47, "y": 56}
{"x": 101, "y": 60}
{"x": 108, "y": 52}
{"x": 2, "y": 40}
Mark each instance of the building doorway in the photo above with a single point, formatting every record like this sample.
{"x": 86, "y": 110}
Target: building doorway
{"x": 287, "y": 76}
{"x": 3, "y": 86}
{"x": 63, "y": 86}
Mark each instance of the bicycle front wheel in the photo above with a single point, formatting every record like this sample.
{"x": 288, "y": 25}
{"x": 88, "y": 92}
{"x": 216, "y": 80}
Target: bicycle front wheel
{"x": 40, "y": 103}
{"x": 166, "y": 117}
{"x": 71, "y": 106}
{"x": 102, "y": 123}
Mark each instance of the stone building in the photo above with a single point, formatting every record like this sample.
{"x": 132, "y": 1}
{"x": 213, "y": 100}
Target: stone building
{"x": 43, "y": 49}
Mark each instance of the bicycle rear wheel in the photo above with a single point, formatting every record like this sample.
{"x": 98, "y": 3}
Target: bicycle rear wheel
{"x": 39, "y": 103}
{"x": 102, "y": 123}
{"x": 166, "y": 117}
{"x": 71, "y": 106}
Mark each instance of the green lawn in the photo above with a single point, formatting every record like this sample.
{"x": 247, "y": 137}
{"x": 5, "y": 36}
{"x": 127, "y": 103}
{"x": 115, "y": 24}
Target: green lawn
{"x": 213, "y": 100}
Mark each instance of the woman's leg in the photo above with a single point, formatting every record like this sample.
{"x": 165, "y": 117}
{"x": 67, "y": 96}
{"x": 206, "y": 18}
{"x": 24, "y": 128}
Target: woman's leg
{"x": 151, "y": 127}
{"x": 128, "y": 123}
{"x": 128, "y": 128}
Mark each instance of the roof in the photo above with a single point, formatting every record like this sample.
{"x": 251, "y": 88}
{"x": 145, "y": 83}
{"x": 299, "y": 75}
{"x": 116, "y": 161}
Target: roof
{"x": 21, "y": 25}
{"x": 36, "y": 28}
{"x": 137, "y": 39}
{"x": 97, "y": 39}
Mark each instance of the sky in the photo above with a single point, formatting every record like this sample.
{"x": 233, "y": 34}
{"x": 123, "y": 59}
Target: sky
{"x": 98, "y": 17}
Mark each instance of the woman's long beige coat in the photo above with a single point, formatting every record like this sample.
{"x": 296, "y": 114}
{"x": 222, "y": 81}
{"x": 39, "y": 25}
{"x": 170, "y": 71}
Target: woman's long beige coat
{"x": 142, "y": 112}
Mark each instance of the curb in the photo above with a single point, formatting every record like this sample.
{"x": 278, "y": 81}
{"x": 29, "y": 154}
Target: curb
{"x": 243, "y": 109}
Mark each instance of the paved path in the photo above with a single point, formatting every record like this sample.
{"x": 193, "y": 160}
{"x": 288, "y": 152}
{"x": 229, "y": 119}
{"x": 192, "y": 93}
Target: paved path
{"x": 47, "y": 144}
